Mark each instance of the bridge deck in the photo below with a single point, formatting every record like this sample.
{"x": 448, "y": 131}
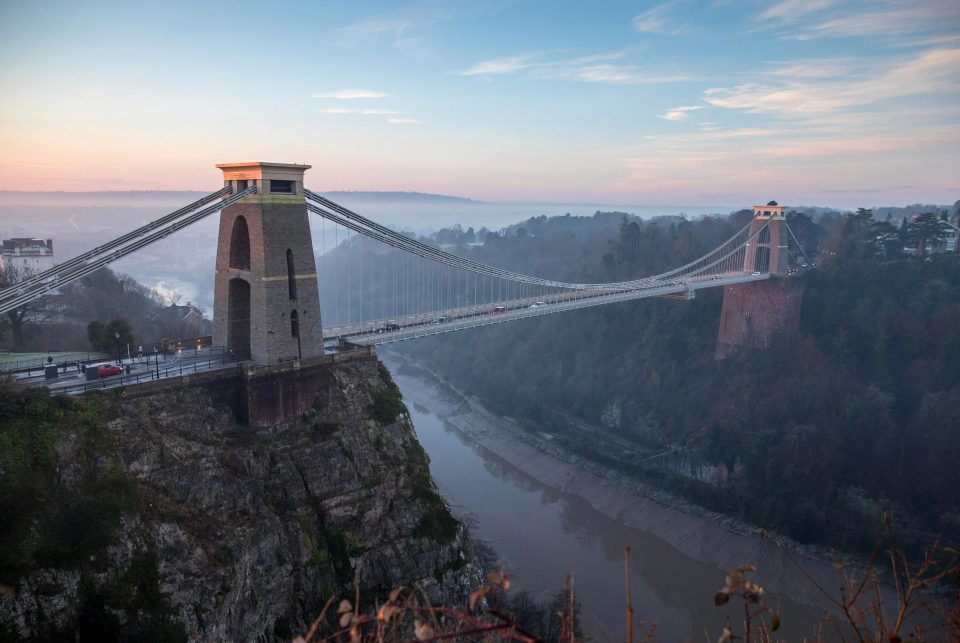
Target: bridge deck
{"x": 425, "y": 324}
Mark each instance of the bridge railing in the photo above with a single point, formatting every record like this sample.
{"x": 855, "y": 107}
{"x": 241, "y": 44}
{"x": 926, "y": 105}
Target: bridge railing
{"x": 38, "y": 364}
{"x": 156, "y": 372}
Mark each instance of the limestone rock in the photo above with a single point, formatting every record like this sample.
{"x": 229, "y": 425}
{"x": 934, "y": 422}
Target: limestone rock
{"x": 255, "y": 528}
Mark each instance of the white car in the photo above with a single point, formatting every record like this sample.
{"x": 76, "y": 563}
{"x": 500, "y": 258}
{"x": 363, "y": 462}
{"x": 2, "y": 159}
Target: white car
{"x": 538, "y": 304}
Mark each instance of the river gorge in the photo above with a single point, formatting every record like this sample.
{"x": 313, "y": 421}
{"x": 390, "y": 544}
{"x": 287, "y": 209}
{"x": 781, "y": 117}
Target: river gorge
{"x": 546, "y": 517}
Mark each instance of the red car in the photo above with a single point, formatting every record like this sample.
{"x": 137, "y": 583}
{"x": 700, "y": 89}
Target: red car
{"x": 106, "y": 370}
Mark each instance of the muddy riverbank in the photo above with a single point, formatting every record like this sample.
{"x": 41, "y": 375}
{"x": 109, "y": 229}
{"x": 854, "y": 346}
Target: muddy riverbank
{"x": 681, "y": 551}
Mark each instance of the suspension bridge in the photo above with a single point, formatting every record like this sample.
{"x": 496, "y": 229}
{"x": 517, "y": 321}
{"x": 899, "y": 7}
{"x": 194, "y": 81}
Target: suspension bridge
{"x": 267, "y": 304}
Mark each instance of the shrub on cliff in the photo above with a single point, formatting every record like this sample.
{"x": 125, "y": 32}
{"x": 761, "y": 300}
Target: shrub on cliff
{"x": 61, "y": 491}
{"x": 387, "y": 402}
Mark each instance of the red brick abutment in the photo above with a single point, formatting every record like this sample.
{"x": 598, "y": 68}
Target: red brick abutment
{"x": 259, "y": 395}
{"x": 754, "y": 313}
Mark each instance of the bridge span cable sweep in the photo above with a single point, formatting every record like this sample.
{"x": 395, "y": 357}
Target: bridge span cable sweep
{"x": 91, "y": 261}
{"x": 440, "y": 293}
{"x": 721, "y": 266}
{"x": 53, "y": 273}
{"x": 348, "y": 219}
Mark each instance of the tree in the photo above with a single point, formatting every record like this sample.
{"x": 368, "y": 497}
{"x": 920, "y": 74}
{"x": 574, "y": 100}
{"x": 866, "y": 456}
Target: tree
{"x": 110, "y": 336}
{"x": 18, "y": 320}
{"x": 926, "y": 227}
{"x": 886, "y": 241}
{"x": 849, "y": 243}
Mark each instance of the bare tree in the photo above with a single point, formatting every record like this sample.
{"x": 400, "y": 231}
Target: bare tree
{"x": 17, "y": 321}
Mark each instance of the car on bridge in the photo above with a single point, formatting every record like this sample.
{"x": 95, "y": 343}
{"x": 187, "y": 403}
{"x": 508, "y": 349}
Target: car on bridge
{"x": 499, "y": 310}
{"x": 441, "y": 319}
{"x": 538, "y": 304}
{"x": 106, "y": 370}
{"x": 389, "y": 327}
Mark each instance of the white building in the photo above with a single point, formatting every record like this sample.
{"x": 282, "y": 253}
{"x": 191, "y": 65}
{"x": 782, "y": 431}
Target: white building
{"x": 27, "y": 255}
{"x": 950, "y": 234}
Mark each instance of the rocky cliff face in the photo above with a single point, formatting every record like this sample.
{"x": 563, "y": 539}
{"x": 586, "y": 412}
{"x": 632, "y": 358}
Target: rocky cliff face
{"x": 240, "y": 533}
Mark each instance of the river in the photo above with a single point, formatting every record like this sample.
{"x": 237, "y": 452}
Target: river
{"x": 542, "y": 532}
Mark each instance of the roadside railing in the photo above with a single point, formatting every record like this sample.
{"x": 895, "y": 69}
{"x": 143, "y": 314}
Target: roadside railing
{"x": 156, "y": 372}
{"x": 37, "y": 365}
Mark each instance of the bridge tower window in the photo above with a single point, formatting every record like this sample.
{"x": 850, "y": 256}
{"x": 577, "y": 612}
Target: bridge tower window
{"x": 240, "y": 244}
{"x": 281, "y": 187}
{"x": 291, "y": 276}
{"x": 764, "y": 236}
{"x": 294, "y": 324}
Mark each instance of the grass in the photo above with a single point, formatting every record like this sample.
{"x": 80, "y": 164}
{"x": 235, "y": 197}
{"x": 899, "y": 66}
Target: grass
{"x": 36, "y": 359}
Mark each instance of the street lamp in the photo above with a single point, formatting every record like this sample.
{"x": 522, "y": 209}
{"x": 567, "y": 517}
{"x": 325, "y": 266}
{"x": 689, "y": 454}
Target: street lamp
{"x": 117, "y": 335}
{"x": 156, "y": 360}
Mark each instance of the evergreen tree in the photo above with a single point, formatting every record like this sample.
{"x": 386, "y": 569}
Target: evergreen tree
{"x": 926, "y": 227}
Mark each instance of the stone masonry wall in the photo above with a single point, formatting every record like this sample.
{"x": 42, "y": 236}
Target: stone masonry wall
{"x": 753, "y": 313}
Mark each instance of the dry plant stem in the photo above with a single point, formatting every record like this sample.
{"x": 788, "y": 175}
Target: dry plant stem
{"x": 316, "y": 623}
{"x": 906, "y": 584}
{"x": 626, "y": 565}
{"x": 841, "y": 604}
{"x": 567, "y": 616}
{"x": 508, "y": 620}
{"x": 603, "y": 632}
{"x": 746, "y": 621}
{"x": 626, "y": 570}
{"x": 430, "y": 609}
{"x": 476, "y": 625}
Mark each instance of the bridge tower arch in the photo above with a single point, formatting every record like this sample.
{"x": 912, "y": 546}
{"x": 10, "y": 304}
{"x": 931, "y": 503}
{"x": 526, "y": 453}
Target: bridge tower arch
{"x": 767, "y": 251}
{"x": 266, "y": 301}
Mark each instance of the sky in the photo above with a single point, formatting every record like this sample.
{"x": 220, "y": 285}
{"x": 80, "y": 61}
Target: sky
{"x": 815, "y": 102}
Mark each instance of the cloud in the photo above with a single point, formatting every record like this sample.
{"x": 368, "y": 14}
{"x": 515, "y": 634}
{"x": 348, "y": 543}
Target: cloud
{"x": 787, "y": 160}
{"x": 893, "y": 21}
{"x": 403, "y": 121}
{"x": 592, "y": 68}
{"x": 350, "y": 94}
{"x": 872, "y": 19}
{"x": 654, "y": 20}
{"x": 793, "y": 9}
{"x": 611, "y": 74}
{"x": 818, "y": 68}
{"x": 680, "y": 113}
{"x": 409, "y": 24}
{"x": 356, "y": 110}
{"x": 936, "y": 70}
{"x": 497, "y": 66}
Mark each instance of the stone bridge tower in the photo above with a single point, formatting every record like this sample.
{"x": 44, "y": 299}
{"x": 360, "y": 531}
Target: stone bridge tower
{"x": 754, "y": 313}
{"x": 266, "y": 301}
{"x": 767, "y": 252}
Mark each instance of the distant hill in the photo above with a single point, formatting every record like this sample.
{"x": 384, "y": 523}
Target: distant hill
{"x": 100, "y": 199}
{"x": 910, "y": 210}
{"x": 182, "y": 197}
{"x": 396, "y": 197}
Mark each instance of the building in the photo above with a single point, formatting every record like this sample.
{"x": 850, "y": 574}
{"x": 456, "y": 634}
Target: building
{"x": 179, "y": 322}
{"x": 950, "y": 235}
{"x": 27, "y": 255}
